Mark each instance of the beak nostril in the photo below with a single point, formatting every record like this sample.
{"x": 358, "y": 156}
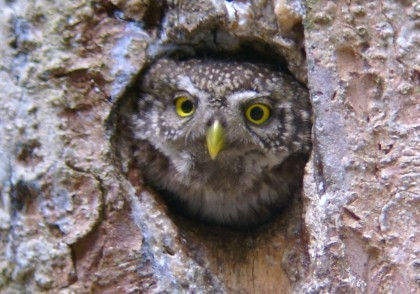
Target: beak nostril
{"x": 211, "y": 121}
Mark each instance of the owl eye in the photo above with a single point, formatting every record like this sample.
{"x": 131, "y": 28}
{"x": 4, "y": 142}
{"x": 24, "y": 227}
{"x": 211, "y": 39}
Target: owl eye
{"x": 184, "y": 106}
{"x": 258, "y": 113}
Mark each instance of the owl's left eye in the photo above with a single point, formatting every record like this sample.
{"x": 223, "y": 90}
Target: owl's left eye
{"x": 258, "y": 113}
{"x": 184, "y": 106}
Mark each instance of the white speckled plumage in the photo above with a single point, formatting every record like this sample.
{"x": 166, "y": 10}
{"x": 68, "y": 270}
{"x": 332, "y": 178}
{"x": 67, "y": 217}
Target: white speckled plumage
{"x": 260, "y": 165}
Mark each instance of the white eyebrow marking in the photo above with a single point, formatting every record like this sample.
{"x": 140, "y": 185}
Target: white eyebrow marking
{"x": 245, "y": 95}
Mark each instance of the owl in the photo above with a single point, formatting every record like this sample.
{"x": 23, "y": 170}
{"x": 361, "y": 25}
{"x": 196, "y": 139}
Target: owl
{"x": 227, "y": 140}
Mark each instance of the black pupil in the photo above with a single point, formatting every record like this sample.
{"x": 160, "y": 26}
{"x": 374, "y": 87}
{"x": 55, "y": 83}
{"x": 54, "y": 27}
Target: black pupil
{"x": 187, "y": 106}
{"x": 256, "y": 113}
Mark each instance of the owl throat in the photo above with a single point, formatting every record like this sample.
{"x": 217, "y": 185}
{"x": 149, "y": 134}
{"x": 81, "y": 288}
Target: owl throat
{"x": 238, "y": 188}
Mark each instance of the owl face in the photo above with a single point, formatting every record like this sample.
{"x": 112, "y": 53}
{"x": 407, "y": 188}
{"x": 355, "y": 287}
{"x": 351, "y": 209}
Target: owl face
{"x": 215, "y": 135}
{"x": 212, "y": 110}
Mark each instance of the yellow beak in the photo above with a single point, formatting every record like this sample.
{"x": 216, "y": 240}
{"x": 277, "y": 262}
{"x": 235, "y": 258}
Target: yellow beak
{"x": 215, "y": 138}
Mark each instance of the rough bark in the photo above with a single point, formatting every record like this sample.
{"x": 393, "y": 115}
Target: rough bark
{"x": 75, "y": 218}
{"x": 362, "y": 198}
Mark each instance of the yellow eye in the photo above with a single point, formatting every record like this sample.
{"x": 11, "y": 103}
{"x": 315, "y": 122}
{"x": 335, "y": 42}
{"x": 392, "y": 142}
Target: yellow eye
{"x": 258, "y": 113}
{"x": 184, "y": 106}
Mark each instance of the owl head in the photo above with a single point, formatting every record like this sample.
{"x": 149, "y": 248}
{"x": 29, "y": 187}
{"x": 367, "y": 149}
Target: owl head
{"x": 210, "y": 111}
{"x": 221, "y": 137}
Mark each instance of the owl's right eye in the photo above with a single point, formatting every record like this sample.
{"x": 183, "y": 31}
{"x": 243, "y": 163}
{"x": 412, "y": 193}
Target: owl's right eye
{"x": 184, "y": 106}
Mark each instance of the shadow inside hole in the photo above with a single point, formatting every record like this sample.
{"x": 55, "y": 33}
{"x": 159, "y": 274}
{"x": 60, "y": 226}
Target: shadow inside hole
{"x": 248, "y": 51}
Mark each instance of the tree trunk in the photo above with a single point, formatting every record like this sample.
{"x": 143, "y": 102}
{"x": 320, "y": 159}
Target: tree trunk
{"x": 75, "y": 217}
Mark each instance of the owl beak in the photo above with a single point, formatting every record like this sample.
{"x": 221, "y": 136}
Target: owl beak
{"x": 215, "y": 138}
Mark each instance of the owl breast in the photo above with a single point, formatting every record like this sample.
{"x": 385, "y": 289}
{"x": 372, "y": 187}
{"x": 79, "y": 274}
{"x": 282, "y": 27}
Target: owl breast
{"x": 227, "y": 140}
